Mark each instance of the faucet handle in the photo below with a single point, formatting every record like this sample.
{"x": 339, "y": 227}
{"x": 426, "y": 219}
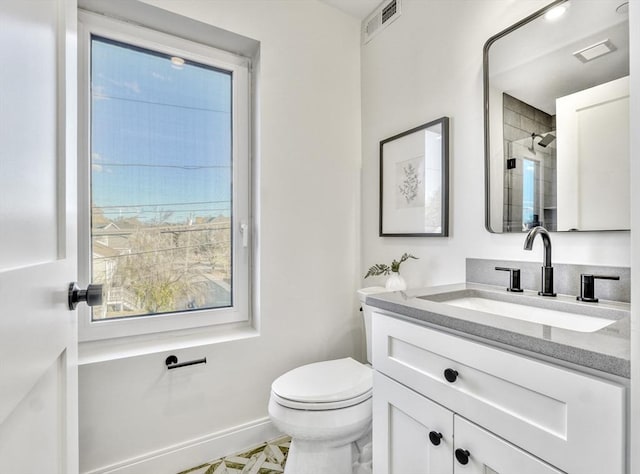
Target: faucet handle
{"x": 514, "y": 278}
{"x": 587, "y": 286}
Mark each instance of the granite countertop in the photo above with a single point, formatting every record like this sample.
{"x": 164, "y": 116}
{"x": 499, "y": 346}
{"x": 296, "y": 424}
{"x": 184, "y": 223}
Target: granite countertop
{"x": 606, "y": 350}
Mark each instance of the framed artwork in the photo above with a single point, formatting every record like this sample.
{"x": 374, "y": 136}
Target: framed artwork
{"x": 414, "y": 182}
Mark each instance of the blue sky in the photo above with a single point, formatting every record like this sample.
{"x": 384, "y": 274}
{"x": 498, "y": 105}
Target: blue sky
{"x": 161, "y": 135}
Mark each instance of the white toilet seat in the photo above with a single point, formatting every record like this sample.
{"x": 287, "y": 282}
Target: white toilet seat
{"x": 327, "y": 385}
{"x": 320, "y": 406}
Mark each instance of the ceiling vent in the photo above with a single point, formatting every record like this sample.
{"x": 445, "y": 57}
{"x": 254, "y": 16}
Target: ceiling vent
{"x": 595, "y": 51}
{"x": 382, "y": 17}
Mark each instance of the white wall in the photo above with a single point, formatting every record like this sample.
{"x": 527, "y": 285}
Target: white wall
{"x": 427, "y": 64}
{"x": 309, "y": 173}
{"x": 634, "y": 37}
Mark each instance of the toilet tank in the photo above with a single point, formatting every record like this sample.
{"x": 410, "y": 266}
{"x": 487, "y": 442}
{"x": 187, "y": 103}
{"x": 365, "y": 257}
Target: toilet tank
{"x": 366, "y": 313}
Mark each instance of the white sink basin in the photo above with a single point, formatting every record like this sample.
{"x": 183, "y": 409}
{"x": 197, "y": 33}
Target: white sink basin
{"x": 554, "y": 316}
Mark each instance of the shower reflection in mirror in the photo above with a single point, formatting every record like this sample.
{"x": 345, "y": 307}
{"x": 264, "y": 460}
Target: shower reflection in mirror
{"x": 530, "y": 173}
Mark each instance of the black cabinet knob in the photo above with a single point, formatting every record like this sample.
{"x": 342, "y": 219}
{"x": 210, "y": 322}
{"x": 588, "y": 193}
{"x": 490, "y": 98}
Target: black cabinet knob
{"x": 435, "y": 438}
{"x": 451, "y": 375}
{"x": 462, "y": 455}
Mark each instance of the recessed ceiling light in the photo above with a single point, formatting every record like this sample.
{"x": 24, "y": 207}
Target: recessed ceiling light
{"x": 595, "y": 51}
{"x": 556, "y": 12}
{"x": 177, "y": 62}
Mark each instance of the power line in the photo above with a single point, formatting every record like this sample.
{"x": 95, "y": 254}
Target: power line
{"x": 181, "y": 231}
{"x": 162, "y": 104}
{"x": 172, "y": 249}
{"x": 163, "y": 230}
{"x": 161, "y": 204}
{"x": 150, "y": 211}
{"x": 144, "y": 165}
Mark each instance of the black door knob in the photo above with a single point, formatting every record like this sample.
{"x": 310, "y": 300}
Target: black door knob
{"x": 462, "y": 455}
{"x": 92, "y": 295}
{"x": 435, "y": 438}
{"x": 451, "y": 375}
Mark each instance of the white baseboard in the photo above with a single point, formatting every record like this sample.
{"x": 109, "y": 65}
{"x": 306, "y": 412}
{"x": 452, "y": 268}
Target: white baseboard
{"x": 173, "y": 459}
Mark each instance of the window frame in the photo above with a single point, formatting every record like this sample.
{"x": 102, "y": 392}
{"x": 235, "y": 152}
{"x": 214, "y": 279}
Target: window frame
{"x": 240, "y": 68}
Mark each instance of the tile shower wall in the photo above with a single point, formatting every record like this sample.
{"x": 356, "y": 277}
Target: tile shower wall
{"x": 520, "y": 121}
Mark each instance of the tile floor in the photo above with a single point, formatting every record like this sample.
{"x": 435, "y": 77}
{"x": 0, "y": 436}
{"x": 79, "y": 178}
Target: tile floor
{"x": 267, "y": 458}
{"x": 270, "y": 458}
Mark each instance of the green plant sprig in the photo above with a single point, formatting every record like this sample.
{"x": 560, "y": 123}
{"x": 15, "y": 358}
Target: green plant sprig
{"x": 384, "y": 269}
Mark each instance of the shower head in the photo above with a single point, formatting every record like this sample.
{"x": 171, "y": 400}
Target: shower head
{"x": 546, "y": 139}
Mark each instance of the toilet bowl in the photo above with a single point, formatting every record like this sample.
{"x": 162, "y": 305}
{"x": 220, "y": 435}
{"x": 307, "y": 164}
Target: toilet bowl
{"x": 326, "y": 408}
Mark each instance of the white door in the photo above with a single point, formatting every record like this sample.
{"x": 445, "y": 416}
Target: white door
{"x": 479, "y": 452}
{"x": 593, "y": 175}
{"x": 38, "y": 361}
{"x": 411, "y": 434}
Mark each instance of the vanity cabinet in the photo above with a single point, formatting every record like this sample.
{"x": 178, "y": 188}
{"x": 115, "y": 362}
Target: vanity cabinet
{"x": 412, "y": 434}
{"x": 513, "y": 413}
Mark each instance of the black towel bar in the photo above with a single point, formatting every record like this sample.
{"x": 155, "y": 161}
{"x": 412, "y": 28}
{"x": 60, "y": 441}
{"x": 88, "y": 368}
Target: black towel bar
{"x": 172, "y": 362}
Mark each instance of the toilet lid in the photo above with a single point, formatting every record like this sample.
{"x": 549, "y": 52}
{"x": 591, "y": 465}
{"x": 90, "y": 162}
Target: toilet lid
{"x": 322, "y": 382}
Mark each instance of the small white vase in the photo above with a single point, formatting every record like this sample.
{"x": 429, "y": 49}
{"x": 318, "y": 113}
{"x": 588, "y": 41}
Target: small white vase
{"x": 395, "y": 282}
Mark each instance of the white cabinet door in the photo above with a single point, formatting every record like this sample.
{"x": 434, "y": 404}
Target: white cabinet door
{"x": 479, "y": 452}
{"x": 38, "y": 387}
{"x": 404, "y": 424}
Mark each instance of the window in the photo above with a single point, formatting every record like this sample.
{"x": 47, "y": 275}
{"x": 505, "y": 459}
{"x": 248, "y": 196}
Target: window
{"x": 165, "y": 152}
{"x": 530, "y": 193}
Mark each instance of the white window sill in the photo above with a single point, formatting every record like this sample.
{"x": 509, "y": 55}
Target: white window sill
{"x": 92, "y": 352}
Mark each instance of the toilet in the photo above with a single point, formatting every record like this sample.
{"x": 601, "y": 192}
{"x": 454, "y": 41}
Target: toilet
{"x": 326, "y": 409}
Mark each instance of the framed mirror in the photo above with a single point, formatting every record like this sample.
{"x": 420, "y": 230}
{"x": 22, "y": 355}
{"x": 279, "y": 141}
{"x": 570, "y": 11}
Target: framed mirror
{"x": 556, "y": 116}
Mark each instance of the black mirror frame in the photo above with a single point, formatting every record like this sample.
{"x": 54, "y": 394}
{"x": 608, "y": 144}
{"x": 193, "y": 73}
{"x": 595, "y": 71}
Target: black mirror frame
{"x": 485, "y": 88}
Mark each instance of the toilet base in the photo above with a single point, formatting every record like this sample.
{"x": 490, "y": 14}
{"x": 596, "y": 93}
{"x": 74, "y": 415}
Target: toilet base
{"x": 321, "y": 458}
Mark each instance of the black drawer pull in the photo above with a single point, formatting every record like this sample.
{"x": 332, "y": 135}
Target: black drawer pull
{"x": 462, "y": 455}
{"x": 172, "y": 362}
{"x": 451, "y": 375}
{"x": 435, "y": 438}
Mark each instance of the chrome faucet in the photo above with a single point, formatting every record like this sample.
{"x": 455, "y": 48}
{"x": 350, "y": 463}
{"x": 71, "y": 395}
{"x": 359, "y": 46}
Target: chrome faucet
{"x": 547, "y": 269}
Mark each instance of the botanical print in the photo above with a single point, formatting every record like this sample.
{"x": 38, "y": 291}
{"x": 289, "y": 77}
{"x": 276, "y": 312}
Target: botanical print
{"x": 410, "y": 183}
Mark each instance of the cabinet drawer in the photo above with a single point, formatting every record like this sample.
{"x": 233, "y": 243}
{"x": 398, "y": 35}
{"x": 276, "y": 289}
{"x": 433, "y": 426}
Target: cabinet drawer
{"x": 571, "y": 420}
{"x": 489, "y": 454}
